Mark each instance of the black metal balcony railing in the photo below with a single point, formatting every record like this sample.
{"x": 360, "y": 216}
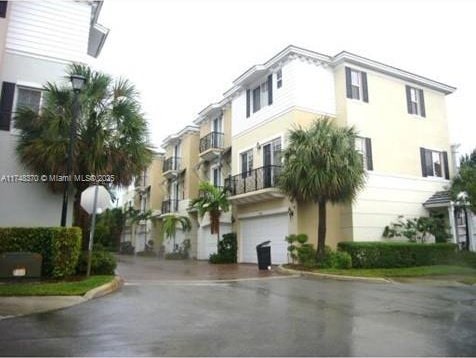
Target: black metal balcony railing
{"x": 252, "y": 180}
{"x": 172, "y": 163}
{"x": 211, "y": 140}
{"x": 169, "y": 206}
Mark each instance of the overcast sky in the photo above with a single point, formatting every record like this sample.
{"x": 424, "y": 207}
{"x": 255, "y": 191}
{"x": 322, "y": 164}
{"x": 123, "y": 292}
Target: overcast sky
{"x": 182, "y": 55}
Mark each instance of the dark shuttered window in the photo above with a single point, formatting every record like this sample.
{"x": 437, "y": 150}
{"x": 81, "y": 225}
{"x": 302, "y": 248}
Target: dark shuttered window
{"x": 415, "y": 101}
{"x": 6, "y": 105}
{"x": 356, "y": 84}
{"x": 248, "y": 102}
{"x": 3, "y": 8}
{"x": 270, "y": 89}
{"x": 434, "y": 163}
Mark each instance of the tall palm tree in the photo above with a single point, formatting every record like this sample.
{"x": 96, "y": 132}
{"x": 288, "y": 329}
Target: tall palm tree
{"x": 322, "y": 165}
{"x": 111, "y": 134}
{"x": 170, "y": 224}
{"x": 213, "y": 201}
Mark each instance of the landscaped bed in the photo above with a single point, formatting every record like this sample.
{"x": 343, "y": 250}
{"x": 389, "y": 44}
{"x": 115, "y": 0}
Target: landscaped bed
{"x": 455, "y": 273}
{"x": 78, "y": 287}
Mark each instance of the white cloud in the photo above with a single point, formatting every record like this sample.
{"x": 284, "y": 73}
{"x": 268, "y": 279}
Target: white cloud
{"x": 183, "y": 55}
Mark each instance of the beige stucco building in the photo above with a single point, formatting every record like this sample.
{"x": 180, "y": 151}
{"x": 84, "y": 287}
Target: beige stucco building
{"x": 403, "y": 137}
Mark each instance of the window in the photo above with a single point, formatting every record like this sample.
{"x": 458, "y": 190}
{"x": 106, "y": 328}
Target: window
{"x": 28, "y": 98}
{"x": 246, "y": 163}
{"x": 434, "y": 163}
{"x": 279, "y": 78}
{"x": 261, "y": 96}
{"x": 356, "y": 84}
{"x": 216, "y": 176}
{"x": 415, "y": 101}
{"x": 256, "y": 99}
{"x": 364, "y": 146}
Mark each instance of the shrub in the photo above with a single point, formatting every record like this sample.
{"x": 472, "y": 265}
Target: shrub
{"x": 176, "y": 256}
{"x": 306, "y": 255}
{"x": 102, "y": 262}
{"x": 419, "y": 229}
{"x": 227, "y": 250}
{"x": 463, "y": 258}
{"x": 300, "y": 250}
{"x": 342, "y": 260}
{"x": 396, "y": 254}
{"x": 335, "y": 259}
{"x": 59, "y": 247}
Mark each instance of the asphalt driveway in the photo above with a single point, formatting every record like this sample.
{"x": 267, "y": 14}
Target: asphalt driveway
{"x": 276, "y": 316}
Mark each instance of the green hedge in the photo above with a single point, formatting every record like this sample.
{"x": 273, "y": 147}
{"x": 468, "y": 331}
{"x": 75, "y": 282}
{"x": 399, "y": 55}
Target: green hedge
{"x": 396, "y": 254}
{"x": 102, "y": 262}
{"x": 60, "y": 247}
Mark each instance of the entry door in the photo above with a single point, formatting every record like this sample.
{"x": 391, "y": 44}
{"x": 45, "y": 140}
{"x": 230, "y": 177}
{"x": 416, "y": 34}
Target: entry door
{"x": 271, "y": 159}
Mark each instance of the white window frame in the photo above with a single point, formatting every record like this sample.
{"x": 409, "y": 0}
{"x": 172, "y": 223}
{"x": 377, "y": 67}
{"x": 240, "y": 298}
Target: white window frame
{"x": 358, "y": 84}
{"x": 212, "y": 176}
{"x": 20, "y": 87}
{"x": 434, "y": 164}
{"x": 415, "y": 101}
{"x": 361, "y": 147}
{"x": 249, "y": 168}
{"x": 262, "y": 87}
{"x": 279, "y": 78}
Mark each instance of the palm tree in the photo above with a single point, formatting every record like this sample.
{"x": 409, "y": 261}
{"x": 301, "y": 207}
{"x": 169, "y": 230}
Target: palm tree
{"x": 322, "y": 165}
{"x": 170, "y": 224}
{"x": 213, "y": 201}
{"x": 111, "y": 135}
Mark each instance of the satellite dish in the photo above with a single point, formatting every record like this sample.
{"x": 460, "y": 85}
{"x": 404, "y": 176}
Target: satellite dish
{"x": 103, "y": 201}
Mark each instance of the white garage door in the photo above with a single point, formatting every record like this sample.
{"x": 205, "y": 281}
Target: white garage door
{"x": 256, "y": 230}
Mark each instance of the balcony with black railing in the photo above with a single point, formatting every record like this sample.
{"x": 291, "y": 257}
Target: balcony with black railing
{"x": 212, "y": 143}
{"x": 171, "y": 165}
{"x": 253, "y": 180}
{"x": 169, "y": 206}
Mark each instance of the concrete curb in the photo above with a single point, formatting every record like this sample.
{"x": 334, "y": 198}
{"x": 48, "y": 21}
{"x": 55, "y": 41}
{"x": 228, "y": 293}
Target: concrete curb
{"x": 19, "y": 306}
{"x": 105, "y": 289}
{"x": 334, "y": 277}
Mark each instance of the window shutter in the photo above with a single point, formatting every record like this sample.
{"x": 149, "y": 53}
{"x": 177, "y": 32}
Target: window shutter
{"x": 423, "y": 161}
{"x": 6, "y": 105}
{"x": 270, "y": 89}
{"x": 248, "y": 97}
{"x": 422, "y": 103}
{"x": 3, "y": 8}
{"x": 365, "y": 92}
{"x": 348, "y": 82}
{"x": 409, "y": 97}
{"x": 368, "y": 150}
{"x": 445, "y": 165}
{"x": 429, "y": 163}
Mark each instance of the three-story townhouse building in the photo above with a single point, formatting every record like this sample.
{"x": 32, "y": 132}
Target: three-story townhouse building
{"x": 180, "y": 183}
{"x": 403, "y": 129}
{"x": 38, "y": 39}
{"x": 403, "y": 136}
{"x": 214, "y": 166}
{"x": 146, "y": 195}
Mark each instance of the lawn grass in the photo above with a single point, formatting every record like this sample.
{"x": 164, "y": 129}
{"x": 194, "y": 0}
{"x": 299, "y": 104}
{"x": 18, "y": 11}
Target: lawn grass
{"x": 458, "y": 273}
{"x": 435, "y": 270}
{"x": 63, "y": 288}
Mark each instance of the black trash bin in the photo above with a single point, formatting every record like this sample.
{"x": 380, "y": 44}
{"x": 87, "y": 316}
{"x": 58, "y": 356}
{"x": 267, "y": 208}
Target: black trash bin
{"x": 20, "y": 265}
{"x": 264, "y": 255}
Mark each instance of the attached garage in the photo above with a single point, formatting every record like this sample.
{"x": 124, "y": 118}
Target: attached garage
{"x": 255, "y": 230}
{"x": 207, "y": 243}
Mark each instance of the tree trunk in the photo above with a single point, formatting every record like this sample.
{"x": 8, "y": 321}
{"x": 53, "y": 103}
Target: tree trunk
{"x": 321, "y": 231}
{"x": 218, "y": 232}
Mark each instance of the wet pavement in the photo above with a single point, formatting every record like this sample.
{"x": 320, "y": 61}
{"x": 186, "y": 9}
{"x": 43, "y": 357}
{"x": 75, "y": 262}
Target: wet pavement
{"x": 281, "y": 316}
{"x": 136, "y": 268}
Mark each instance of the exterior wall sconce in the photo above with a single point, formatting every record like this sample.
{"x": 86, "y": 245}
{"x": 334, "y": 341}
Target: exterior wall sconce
{"x": 290, "y": 212}
{"x": 258, "y": 146}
